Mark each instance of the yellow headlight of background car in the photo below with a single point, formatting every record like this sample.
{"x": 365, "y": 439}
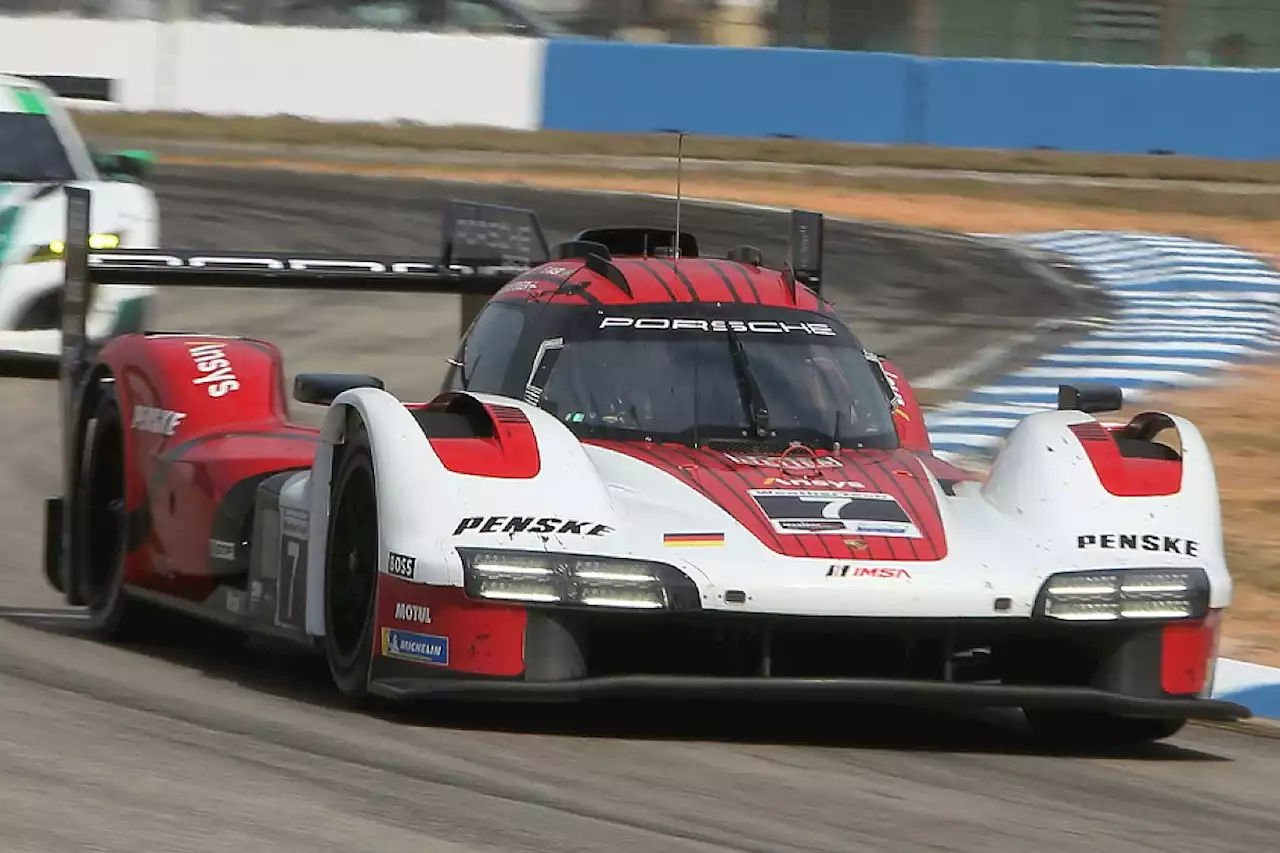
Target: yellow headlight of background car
{"x": 53, "y": 250}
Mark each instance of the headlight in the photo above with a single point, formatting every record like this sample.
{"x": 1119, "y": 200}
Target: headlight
{"x": 537, "y": 577}
{"x": 1124, "y": 594}
{"x": 52, "y": 251}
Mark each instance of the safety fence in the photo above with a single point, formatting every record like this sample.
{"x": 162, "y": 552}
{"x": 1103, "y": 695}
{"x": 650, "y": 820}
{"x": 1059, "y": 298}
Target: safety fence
{"x": 617, "y": 87}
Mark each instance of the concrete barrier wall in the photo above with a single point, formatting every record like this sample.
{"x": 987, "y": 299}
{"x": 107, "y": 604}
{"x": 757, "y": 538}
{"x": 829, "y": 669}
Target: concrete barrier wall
{"x": 339, "y": 75}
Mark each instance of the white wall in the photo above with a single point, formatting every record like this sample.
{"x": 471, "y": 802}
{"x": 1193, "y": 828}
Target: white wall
{"x": 231, "y": 69}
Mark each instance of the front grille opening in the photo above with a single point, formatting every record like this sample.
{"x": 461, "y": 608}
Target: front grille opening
{"x": 1027, "y": 653}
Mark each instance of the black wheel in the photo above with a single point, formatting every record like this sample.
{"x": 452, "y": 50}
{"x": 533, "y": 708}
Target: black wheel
{"x": 351, "y": 566}
{"x": 1082, "y": 730}
{"x": 101, "y": 529}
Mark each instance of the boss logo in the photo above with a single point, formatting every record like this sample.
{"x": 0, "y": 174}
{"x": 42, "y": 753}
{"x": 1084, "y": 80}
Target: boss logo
{"x": 400, "y": 565}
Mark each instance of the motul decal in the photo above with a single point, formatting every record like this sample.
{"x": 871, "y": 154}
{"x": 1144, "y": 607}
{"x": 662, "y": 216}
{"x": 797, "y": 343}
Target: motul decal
{"x": 1139, "y": 542}
{"x": 847, "y": 571}
{"x": 824, "y": 512}
{"x": 413, "y": 613}
{"x": 544, "y": 525}
{"x": 217, "y": 376}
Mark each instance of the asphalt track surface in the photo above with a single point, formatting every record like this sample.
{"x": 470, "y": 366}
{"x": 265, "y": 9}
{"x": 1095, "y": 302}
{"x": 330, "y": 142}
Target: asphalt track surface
{"x": 199, "y": 742}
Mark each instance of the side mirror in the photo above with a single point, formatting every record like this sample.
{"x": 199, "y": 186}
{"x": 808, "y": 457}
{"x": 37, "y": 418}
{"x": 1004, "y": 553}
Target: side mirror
{"x": 1092, "y": 399}
{"x": 125, "y": 165}
{"x": 321, "y": 388}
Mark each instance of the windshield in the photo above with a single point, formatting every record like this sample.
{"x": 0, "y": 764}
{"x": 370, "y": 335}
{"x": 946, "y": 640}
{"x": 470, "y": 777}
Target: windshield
{"x": 713, "y": 374}
{"x": 30, "y": 151}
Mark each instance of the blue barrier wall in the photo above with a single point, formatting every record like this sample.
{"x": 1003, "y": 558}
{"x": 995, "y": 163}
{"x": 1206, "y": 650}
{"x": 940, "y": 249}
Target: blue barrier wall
{"x": 637, "y": 88}
{"x": 1207, "y": 112}
{"x": 877, "y": 98}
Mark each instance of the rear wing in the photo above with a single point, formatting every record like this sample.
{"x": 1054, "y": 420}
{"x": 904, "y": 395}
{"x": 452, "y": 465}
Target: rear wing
{"x": 484, "y": 247}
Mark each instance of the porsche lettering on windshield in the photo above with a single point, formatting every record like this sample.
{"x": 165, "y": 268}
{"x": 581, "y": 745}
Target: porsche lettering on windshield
{"x": 689, "y": 324}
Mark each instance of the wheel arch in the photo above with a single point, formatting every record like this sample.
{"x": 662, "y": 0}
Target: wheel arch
{"x": 404, "y": 467}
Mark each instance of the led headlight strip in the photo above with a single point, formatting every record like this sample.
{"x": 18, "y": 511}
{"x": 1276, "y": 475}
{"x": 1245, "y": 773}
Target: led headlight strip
{"x": 1124, "y": 595}
{"x": 538, "y": 577}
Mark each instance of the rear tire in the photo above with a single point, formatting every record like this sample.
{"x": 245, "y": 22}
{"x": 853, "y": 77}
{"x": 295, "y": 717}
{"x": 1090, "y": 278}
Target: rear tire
{"x": 101, "y": 525}
{"x": 351, "y": 565}
{"x": 1085, "y": 730}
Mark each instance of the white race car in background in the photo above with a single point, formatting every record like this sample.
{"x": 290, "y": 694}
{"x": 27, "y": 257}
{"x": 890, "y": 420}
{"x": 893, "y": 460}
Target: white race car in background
{"x": 40, "y": 152}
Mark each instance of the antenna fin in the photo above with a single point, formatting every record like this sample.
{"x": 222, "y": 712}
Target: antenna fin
{"x": 679, "y": 192}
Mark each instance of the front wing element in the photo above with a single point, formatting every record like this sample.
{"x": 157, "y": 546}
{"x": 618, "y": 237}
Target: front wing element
{"x": 866, "y": 691}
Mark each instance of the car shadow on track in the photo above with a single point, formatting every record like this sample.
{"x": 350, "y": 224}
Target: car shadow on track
{"x": 291, "y": 674}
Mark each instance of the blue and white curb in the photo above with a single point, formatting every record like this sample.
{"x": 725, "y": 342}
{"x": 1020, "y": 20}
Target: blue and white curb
{"x": 1187, "y": 311}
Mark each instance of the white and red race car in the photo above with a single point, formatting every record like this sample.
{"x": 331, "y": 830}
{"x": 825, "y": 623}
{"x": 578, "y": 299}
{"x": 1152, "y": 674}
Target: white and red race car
{"x": 649, "y": 472}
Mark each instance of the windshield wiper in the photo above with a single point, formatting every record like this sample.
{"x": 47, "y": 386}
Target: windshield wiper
{"x": 757, "y": 409}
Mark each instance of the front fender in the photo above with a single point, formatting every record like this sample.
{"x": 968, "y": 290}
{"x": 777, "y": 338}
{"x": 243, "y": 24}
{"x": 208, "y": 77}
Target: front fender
{"x": 1045, "y": 478}
{"x": 426, "y": 507}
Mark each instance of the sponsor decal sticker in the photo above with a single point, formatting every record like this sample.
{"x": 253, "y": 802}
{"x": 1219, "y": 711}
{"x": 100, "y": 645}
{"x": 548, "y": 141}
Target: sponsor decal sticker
{"x": 802, "y": 483}
{"x": 156, "y": 421}
{"x": 1139, "y": 542}
{"x": 693, "y": 540}
{"x": 413, "y": 613}
{"x": 294, "y": 523}
{"x": 542, "y": 525}
{"x": 220, "y": 550}
{"x": 217, "y": 376}
{"x": 400, "y": 565}
{"x": 676, "y": 324}
{"x": 843, "y": 570}
{"x": 785, "y": 463}
{"x": 407, "y": 645}
{"x": 824, "y": 512}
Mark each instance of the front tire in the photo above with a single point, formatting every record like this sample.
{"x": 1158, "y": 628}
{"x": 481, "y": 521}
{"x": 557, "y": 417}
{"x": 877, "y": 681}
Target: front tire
{"x": 1084, "y": 730}
{"x": 351, "y": 565}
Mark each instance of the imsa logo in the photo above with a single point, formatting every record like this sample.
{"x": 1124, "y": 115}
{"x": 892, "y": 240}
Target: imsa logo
{"x": 843, "y": 570}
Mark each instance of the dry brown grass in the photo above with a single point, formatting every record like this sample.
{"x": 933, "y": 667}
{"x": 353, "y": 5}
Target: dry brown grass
{"x": 1239, "y": 421}
{"x": 296, "y": 131}
{"x": 919, "y": 209}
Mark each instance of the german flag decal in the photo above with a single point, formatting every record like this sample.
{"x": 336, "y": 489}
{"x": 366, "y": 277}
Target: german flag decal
{"x": 693, "y": 539}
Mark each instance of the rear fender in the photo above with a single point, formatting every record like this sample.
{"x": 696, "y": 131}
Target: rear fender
{"x": 1062, "y": 475}
{"x": 435, "y": 490}
{"x": 175, "y": 390}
